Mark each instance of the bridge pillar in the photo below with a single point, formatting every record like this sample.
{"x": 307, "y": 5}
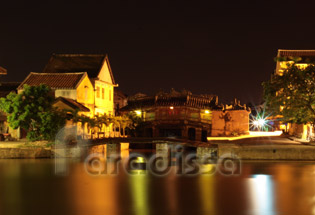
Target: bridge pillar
{"x": 162, "y": 150}
{"x": 112, "y": 149}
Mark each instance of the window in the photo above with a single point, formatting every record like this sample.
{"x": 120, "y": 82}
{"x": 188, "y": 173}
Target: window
{"x": 103, "y": 93}
{"x": 110, "y": 95}
{"x": 97, "y": 92}
{"x": 86, "y": 93}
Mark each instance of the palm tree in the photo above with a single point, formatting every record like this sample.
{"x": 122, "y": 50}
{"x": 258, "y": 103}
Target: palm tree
{"x": 98, "y": 124}
{"x": 119, "y": 122}
{"x": 91, "y": 123}
{"x": 105, "y": 120}
{"x": 114, "y": 122}
{"x": 125, "y": 122}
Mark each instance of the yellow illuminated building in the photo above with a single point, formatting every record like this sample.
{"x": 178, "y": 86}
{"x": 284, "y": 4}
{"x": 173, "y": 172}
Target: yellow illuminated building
{"x": 287, "y": 57}
{"x": 98, "y": 91}
{"x": 79, "y": 82}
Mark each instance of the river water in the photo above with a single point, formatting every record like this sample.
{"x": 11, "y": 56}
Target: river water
{"x": 262, "y": 188}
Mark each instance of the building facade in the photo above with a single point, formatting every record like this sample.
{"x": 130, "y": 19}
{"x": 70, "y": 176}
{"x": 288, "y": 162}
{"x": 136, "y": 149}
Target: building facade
{"x": 70, "y": 86}
{"x": 99, "y": 73}
{"x": 185, "y": 115}
{"x": 83, "y": 83}
{"x": 231, "y": 120}
{"x": 304, "y": 57}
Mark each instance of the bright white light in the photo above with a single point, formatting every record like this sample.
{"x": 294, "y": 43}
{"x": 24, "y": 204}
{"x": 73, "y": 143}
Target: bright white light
{"x": 171, "y": 107}
{"x": 261, "y": 122}
{"x": 138, "y": 112}
{"x": 207, "y": 111}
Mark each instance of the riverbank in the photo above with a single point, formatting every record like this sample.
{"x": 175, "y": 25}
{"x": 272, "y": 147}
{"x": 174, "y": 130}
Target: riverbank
{"x": 254, "y": 148}
{"x": 24, "y": 150}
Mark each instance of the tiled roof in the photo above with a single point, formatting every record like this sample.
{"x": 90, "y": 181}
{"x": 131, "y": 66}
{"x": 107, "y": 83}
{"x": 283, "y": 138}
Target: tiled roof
{"x": 54, "y": 80}
{"x": 73, "y": 104}
{"x": 164, "y": 99}
{"x": 296, "y": 53}
{"x": 3, "y": 71}
{"x": 68, "y": 63}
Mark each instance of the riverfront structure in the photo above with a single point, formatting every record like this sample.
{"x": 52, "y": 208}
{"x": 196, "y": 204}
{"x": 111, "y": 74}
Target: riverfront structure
{"x": 302, "y": 59}
{"x": 188, "y": 116}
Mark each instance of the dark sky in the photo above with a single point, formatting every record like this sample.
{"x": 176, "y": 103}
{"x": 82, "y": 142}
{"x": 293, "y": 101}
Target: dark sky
{"x": 215, "y": 47}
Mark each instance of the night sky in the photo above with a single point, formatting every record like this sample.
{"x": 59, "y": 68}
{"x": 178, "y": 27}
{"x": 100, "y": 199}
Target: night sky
{"x": 215, "y": 47}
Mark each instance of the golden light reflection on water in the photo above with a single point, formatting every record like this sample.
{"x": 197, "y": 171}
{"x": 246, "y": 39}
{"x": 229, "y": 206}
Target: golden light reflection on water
{"x": 206, "y": 184}
{"x": 267, "y": 188}
{"x": 139, "y": 191}
{"x": 92, "y": 194}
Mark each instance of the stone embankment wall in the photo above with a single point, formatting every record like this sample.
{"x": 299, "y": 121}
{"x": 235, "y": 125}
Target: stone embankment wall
{"x": 268, "y": 152}
{"x": 25, "y": 153}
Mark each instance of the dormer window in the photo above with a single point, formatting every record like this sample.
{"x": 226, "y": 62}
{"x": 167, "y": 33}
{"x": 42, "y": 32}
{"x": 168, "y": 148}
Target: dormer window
{"x": 97, "y": 92}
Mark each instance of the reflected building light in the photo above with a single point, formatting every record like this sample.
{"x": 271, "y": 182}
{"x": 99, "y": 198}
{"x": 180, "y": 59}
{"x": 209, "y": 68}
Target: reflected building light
{"x": 207, "y": 169}
{"x": 124, "y": 151}
{"x": 139, "y": 192}
{"x": 207, "y": 194}
{"x": 261, "y": 195}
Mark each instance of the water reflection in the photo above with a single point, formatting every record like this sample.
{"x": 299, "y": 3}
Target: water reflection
{"x": 32, "y": 187}
{"x": 139, "y": 191}
{"x": 207, "y": 193}
{"x": 261, "y": 194}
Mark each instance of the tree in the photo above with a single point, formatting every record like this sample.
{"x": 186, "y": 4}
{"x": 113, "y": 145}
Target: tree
{"x": 125, "y": 122}
{"x": 32, "y": 110}
{"x": 106, "y": 121}
{"x": 292, "y": 94}
{"x": 115, "y": 122}
{"x": 135, "y": 125}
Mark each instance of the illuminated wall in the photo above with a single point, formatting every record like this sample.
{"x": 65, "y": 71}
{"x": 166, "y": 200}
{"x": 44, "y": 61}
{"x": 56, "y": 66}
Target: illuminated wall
{"x": 85, "y": 94}
{"x": 104, "y": 92}
{"x": 66, "y": 93}
{"x": 238, "y": 123}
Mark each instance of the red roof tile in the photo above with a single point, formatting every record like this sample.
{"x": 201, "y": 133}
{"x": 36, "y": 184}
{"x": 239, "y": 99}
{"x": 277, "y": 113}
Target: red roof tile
{"x": 296, "y": 53}
{"x": 3, "y": 71}
{"x": 68, "y": 63}
{"x": 54, "y": 80}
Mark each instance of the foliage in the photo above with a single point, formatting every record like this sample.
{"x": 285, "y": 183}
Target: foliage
{"x": 32, "y": 110}
{"x": 294, "y": 92}
{"x": 136, "y": 125}
{"x": 101, "y": 122}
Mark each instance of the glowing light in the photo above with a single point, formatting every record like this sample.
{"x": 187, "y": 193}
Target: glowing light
{"x": 171, "y": 107}
{"x": 207, "y": 111}
{"x": 261, "y": 193}
{"x": 251, "y": 134}
{"x": 138, "y": 112}
{"x": 140, "y": 160}
{"x": 259, "y": 122}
